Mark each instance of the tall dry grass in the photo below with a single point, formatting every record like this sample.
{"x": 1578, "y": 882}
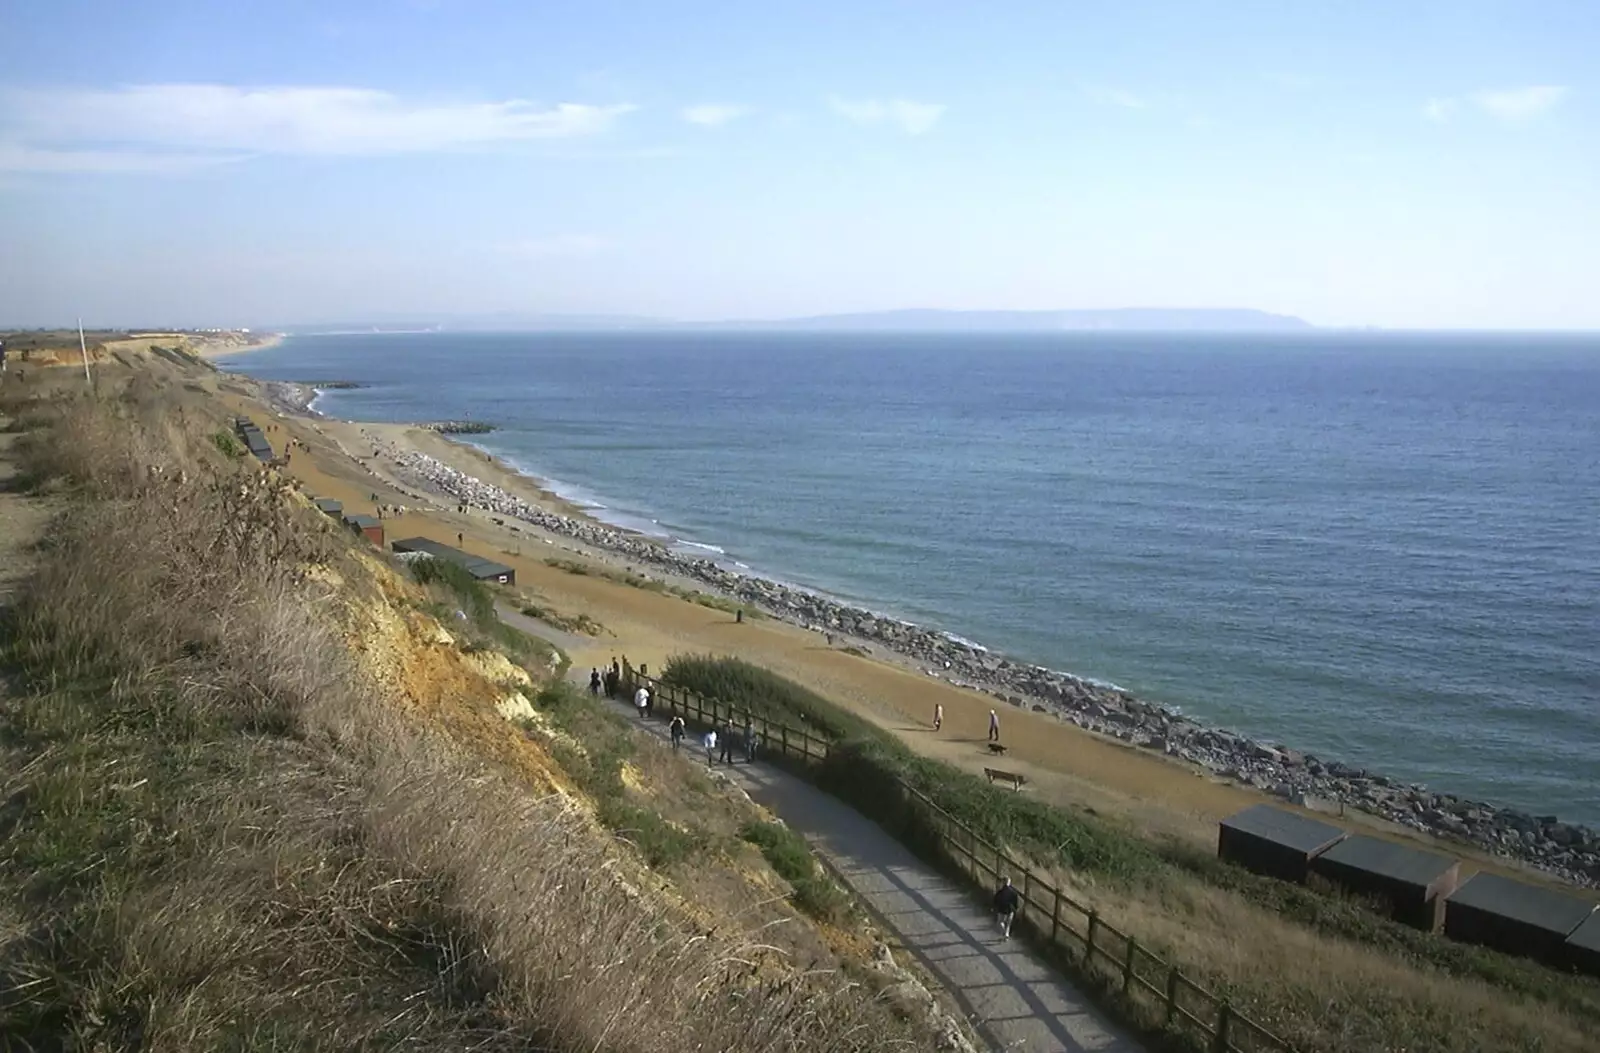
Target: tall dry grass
{"x": 217, "y": 835}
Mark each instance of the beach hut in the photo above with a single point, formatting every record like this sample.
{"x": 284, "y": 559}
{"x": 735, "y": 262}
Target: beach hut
{"x": 328, "y": 506}
{"x": 367, "y": 527}
{"x": 480, "y": 568}
{"x": 1274, "y": 841}
{"x": 1517, "y": 917}
{"x": 1414, "y": 883}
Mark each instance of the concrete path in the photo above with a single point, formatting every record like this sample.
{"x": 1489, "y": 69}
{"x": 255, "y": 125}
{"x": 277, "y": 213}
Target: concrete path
{"x": 1014, "y": 1000}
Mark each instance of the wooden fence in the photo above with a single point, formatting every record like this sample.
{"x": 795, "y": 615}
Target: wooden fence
{"x": 1048, "y": 915}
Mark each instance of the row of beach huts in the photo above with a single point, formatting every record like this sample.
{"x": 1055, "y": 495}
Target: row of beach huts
{"x": 1420, "y": 888}
{"x": 250, "y": 434}
{"x": 371, "y": 528}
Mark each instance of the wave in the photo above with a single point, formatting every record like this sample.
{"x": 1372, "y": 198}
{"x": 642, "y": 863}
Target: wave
{"x": 717, "y": 549}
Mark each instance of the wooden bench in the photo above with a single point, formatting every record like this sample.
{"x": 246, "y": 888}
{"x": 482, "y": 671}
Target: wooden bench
{"x": 1013, "y": 778}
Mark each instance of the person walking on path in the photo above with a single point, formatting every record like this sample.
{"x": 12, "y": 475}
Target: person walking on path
{"x": 641, "y": 699}
{"x": 1006, "y": 902}
{"x": 676, "y": 729}
{"x": 749, "y": 742}
{"x": 711, "y": 745}
{"x": 727, "y": 744}
{"x": 649, "y": 702}
{"x": 938, "y": 716}
{"x": 994, "y": 726}
{"x": 594, "y": 682}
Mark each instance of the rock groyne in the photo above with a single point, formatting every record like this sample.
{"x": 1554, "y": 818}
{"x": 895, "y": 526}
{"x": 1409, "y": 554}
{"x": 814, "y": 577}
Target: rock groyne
{"x": 1564, "y": 849}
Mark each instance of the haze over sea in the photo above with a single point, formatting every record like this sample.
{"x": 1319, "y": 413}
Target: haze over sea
{"x": 1380, "y": 548}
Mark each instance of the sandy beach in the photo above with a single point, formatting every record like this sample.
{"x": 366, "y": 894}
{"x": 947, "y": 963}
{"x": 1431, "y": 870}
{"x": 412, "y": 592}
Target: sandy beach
{"x": 221, "y": 346}
{"x": 358, "y": 464}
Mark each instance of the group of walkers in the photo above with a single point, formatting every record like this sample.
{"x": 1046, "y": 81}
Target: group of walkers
{"x": 609, "y": 681}
{"x": 721, "y": 742}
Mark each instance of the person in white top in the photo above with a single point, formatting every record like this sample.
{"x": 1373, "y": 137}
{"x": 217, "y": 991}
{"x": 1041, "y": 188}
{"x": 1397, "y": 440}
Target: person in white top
{"x": 711, "y": 747}
{"x": 641, "y": 698}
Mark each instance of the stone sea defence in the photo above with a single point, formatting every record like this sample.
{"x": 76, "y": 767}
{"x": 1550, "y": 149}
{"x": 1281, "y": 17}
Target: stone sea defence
{"x": 1567, "y": 850}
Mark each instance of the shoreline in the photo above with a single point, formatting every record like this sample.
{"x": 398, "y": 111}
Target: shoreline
{"x": 208, "y": 348}
{"x": 1566, "y": 850}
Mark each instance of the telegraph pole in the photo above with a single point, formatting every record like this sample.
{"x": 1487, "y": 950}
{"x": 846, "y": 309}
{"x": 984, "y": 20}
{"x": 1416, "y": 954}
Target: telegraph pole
{"x": 85, "y": 349}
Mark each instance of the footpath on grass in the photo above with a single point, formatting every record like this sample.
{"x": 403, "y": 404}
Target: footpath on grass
{"x": 1014, "y": 1000}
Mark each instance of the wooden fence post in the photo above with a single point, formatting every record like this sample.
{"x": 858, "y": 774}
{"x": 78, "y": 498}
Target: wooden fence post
{"x": 1172, "y": 993}
{"x": 1094, "y": 923}
{"x": 783, "y": 729}
{"x": 1224, "y": 1018}
{"x": 1027, "y": 883}
{"x": 1055, "y": 917}
{"x": 1127, "y": 964}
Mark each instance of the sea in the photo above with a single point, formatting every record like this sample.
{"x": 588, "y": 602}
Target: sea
{"x": 1380, "y": 548}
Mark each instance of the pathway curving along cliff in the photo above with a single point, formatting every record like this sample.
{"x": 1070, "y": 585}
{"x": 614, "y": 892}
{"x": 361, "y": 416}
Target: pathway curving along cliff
{"x": 1012, "y": 998}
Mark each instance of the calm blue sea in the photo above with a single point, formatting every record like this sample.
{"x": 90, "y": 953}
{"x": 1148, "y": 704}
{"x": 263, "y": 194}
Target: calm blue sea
{"x": 1381, "y": 548}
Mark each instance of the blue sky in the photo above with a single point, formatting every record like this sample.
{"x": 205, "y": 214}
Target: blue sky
{"x": 1402, "y": 164}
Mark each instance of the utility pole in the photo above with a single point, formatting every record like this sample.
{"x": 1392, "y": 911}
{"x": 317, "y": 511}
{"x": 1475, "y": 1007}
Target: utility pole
{"x": 85, "y": 349}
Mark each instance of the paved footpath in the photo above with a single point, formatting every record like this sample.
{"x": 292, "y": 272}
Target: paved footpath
{"x": 1016, "y": 1002}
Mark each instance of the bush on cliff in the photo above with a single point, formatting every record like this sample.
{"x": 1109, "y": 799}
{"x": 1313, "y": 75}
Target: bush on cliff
{"x": 869, "y": 768}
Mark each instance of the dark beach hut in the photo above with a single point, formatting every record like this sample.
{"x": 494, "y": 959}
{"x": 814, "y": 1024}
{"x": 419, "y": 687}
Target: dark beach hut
{"x": 367, "y": 527}
{"x": 1414, "y": 883}
{"x": 1515, "y": 917}
{"x": 1274, "y": 841}
{"x": 480, "y": 568}
{"x": 253, "y": 438}
{"x": 328, "y": 506}
{"x": 1583, "y": 946}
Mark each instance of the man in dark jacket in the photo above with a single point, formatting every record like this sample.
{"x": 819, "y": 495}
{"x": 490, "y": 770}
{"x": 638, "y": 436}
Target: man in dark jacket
{"x": 1006, "y": 902}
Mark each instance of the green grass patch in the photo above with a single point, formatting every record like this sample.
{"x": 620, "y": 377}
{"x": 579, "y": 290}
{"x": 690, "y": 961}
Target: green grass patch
{"x": 790, "y": 858}
{"x": 607, "y": 743}
{"x": 454, "y": 589}
{"x": 229, "y": 446}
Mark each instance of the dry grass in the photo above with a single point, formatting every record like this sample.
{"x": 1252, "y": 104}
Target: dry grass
{"x": 1322, "y": 992}
{"x": 219, "y": 834}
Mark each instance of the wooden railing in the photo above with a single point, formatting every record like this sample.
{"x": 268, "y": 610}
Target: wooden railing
{"x": 704, "y": 713}
{"x": 1048, "y": 915}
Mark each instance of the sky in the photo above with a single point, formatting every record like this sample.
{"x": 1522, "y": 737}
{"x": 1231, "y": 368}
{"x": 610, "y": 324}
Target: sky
{"x": 1425, "y": 164}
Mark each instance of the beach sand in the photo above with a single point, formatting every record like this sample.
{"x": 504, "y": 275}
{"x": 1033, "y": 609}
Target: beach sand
{"x": 1064, "y": 764}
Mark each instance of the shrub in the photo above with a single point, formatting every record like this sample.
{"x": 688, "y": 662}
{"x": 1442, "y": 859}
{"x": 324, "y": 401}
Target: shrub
{"x": 868, "y": 768}
{"x": 790, "y": 858}
{"x": 228, "y": 445}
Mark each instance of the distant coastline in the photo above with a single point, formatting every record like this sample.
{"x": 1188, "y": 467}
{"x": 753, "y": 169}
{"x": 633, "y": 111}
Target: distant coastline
{"x": 1127, "y": 319}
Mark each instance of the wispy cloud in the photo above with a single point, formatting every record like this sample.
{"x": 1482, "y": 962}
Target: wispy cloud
{"x": 914, "y": 118}
{"x": 1118, "y": 97}
{"x": 1439, "y": 109}
{"x": 712, "y": 115}
{"x": 16, "y": 157}
{"x": 222, "y": 120}
{"x": 1519, "y": 104}
{"x": 1506, "y": 104}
